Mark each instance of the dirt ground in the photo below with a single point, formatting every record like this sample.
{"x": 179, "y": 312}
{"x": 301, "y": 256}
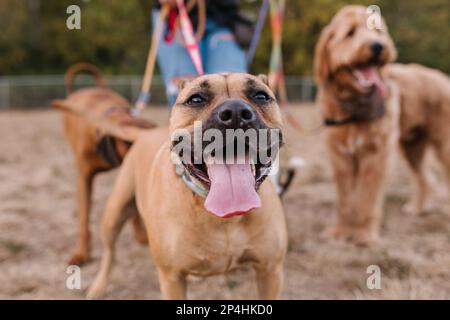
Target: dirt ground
{"x": 38, "y": 227}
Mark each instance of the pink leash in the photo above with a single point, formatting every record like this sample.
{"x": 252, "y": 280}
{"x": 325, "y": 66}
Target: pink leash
{"x": 189, "y": 37}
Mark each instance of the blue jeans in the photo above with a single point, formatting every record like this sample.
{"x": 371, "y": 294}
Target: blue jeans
{"x": 219, "y": 50}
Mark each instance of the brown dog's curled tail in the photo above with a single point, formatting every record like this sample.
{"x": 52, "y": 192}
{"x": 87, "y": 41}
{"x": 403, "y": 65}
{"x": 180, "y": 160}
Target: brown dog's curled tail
{"x": 83, "y": 67}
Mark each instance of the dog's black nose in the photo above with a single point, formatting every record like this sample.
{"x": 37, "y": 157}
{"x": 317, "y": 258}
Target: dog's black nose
{"x": 235, "y": 114}
{"x": 376, "y": 48}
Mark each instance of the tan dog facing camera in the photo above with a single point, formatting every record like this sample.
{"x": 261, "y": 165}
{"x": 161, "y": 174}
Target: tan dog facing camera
{"x": 204, "y": 215}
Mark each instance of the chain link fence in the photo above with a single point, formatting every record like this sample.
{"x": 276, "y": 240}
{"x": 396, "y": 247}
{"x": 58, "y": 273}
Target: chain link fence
{"x": 38, "y": 91}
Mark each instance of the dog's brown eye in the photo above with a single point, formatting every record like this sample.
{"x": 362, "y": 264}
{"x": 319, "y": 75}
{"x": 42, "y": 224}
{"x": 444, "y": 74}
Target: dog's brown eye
{"x": 195, "y": 100}
{"x": 261, "y": 96}
{"x": 351, "y": 32}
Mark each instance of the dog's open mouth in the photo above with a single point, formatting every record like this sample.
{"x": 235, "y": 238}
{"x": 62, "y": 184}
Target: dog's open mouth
{"x": 232, "y": 183}
{"x": 368, "y": 76}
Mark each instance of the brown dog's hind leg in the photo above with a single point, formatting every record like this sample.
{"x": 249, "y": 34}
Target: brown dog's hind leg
{"x": 414, "y": 151}
{"x": 112, "y": 222}
{"x": 84, "y": 192}
{"x": 173, "y": 285}
{"x": 269, "y": 282}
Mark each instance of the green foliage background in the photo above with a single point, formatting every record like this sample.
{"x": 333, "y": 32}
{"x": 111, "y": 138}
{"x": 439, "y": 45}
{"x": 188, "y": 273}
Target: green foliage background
{"x": 115, "y": 34}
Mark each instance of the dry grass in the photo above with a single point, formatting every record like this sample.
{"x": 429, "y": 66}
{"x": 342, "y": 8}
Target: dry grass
{"x": 38, "y": 228}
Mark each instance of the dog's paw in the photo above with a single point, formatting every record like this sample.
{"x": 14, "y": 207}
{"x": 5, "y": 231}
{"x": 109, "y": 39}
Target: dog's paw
{"x": 364, "y": 238}
{"x": 360, "y": 237}
{"x": 410, "y": 208}
{"x": 413, "y": 209}
{"x": 336, "y": 233}
{"x": 95, "y": 292}
{"x": 79, "y": 258}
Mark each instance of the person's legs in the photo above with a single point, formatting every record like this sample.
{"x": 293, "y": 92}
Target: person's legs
{"x": 174, "y": 63}
{"x": 221, "y": 52}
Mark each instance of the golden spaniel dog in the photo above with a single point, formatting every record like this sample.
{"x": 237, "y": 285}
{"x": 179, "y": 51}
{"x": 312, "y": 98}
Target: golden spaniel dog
{"x": 360, "y": 111}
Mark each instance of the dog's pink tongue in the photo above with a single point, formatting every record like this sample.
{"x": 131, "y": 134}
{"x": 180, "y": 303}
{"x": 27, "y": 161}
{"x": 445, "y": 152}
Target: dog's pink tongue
{"x": 232, "y": 190}
{"x": 372, "y": 76}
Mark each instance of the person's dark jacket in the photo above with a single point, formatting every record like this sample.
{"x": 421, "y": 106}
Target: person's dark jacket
{"x": 224, "y": 12}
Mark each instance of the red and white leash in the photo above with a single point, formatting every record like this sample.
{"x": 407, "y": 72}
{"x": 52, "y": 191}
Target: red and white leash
{"x": 189, "y": 37}
{"x": 191, "y": 46}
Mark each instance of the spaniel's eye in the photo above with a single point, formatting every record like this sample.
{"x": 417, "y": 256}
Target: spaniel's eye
{"x": 261, "y": 96}
{"x": 195, "y": 100}
{"x": 351, "y": 32}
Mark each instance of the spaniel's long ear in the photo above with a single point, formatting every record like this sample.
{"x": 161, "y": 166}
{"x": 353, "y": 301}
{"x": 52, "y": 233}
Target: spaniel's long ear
{"x": 321, "y": 59}
{"x": 392, "y": 50}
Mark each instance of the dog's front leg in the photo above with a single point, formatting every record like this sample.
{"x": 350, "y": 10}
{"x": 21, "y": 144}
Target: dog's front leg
{"x": 269, "y": 281}
{"x": 112, "y": 222}
{"x": 369, "y": 193}
{"x": 344, "y": 169}
{"x": 173, "y": 284}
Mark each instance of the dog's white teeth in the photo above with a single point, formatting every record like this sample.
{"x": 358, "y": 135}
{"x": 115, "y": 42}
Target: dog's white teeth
{"x": 361, "y": 79}
{"x": 358, "y": 75}
{"x": 253, "y": 169}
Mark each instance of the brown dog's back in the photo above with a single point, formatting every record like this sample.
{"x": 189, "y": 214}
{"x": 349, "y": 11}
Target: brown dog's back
{"x": 425, "y": 97}
{"x": 84, "y": 137}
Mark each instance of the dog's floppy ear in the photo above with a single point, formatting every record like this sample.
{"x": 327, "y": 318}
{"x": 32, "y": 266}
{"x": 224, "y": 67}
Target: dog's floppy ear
{"x": 321, "y": 60}
{"x": 264, "y": 79}
{"x": 392, "y": 50}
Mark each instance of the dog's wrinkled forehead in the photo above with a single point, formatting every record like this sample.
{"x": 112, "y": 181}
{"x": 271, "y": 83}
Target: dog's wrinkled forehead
{"x": 199, "y": 96}
{"x": 231, "y": 85}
